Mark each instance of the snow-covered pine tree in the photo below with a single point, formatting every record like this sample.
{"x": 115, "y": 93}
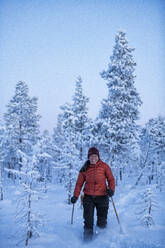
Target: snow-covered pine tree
{"x": 147, "y": 205}
{"x": 72, "y": 162}
{"x": 64, "y": 120}
{"x": 44, "y": 151}
{"x": 21, "y": 120}
{"x": 68, "y": 160}
{"x": 152, "y": 147}
{"x": 29, "y": 191}
{"x": 116, "y": 123}
{"x": 57, "y": 142}
{"x": 81, "y": 120}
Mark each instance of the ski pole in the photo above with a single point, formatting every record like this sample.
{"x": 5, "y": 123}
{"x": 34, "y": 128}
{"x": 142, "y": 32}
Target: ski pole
{"x": 121, "y": 230}
{"x": 115, "y": 210}
{"x": 72, "y": 214}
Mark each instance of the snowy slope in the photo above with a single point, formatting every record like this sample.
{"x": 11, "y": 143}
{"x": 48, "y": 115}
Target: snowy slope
{"x": 57, "y": 232}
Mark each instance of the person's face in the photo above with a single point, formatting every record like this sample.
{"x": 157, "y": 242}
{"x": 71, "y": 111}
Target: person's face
{"x": 93, "y": 158}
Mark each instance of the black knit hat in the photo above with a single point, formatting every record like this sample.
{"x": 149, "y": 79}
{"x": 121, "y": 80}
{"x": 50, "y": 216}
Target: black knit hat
{"x": 93, "y": 150}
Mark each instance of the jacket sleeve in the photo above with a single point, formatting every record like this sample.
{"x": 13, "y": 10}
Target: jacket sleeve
{"x": 79, "y": 184}
{"x": 110, "y": 177}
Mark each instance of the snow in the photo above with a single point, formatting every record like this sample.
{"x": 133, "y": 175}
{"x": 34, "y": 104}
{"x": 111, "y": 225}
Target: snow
{"x": 57, "y": 231}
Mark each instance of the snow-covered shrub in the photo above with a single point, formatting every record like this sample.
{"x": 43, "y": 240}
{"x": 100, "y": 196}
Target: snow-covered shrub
{"x": 29, "y": 191}
{"x": 146, "y": 206}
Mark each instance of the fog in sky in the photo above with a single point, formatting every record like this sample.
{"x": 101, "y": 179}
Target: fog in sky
{"x": 49, "y": 43}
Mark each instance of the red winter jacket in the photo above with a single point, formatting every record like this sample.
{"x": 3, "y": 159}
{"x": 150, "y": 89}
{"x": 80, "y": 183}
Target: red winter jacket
{"x": 95, "y": 178}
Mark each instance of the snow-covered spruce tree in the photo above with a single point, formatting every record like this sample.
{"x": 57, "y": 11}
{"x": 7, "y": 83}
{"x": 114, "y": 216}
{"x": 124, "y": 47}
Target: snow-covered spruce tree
{"x": 45, "y": 163}
{"x": 72, "y": 162}
{"x": 147, "y": 205}
{"x": 64, "y": 120}
{"x": 29, "y": 191}
{"x": 81, "y": 120}
{"x": 116, "y": 123}
{"x": 68, "y": 160}
{"x": 21, "y": 120}
{"x": 57, "y": 142}
{"x": 152, "y": 146}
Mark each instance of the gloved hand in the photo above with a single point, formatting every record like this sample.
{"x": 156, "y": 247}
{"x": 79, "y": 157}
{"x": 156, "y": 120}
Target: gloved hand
{"x": 110, "y": 192}
{"x": 73, "y": 199}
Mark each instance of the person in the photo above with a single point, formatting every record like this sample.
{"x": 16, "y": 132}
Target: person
{"x": 95, "y": 174}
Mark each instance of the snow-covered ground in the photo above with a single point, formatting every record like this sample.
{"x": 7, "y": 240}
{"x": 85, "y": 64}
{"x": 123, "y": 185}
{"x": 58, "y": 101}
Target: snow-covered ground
{"x": 57, "y": 231}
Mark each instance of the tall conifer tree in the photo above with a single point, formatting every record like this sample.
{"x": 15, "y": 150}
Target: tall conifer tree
{"x": 119, "y": 111}
{"x": 80, "y": 112}
{"x": 22, "y": 126}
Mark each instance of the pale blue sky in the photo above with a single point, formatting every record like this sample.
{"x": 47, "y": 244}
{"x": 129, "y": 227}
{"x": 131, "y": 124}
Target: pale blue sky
{"x": 48, "y": 44}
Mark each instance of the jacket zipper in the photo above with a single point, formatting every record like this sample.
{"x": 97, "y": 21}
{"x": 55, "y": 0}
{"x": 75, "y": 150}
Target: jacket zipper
{"x": 94, "y": 178}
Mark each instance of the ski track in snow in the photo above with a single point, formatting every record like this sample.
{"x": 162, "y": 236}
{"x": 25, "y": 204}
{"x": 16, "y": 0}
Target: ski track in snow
{"x": 57, "y": 232}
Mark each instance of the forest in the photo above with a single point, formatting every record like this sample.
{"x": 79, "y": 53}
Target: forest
{"x": 31, "y": 162}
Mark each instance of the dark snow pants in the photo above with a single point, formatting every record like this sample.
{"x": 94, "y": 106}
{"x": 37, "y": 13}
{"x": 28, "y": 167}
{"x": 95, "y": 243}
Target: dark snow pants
{"x": 89, "y": 203}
